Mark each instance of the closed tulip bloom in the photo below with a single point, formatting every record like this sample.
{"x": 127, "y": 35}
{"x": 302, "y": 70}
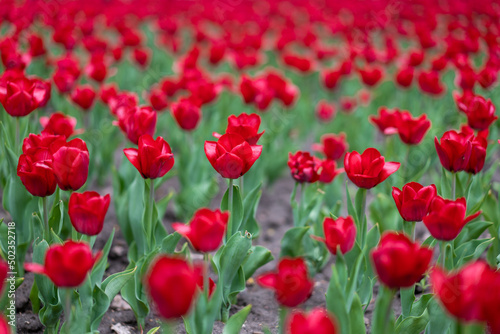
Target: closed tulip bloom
{"x": 231, "y": 156}
{"x": 412, "y": 130}
{"x": 83, "y": 96}
{"x": 171, "y": 284}
{"x": 430, "y": 83}
{"x": 20, "y": 95}
{"x": 368, "y": 169}
{"x": 87, "y": 211}
{"x": 325, "y": 111}
{"x": 328, "y": 171}
{"x": 304, "y": 167}
{"x": 46, "y": 141}
{"x": 4, "y": 269}
{"x": 142, "y": 56}
{"x": 399, "y": 262}
{"x": 387, "y": 121}
{"x": 331, "y": 79}
{"x": 247, "y": 89}
{"x": 317, "y": 321}
{"x": 340, "y": 232}
{"x": 414, "y": 200}
{"x": 371, "y": 76}
{"x": 71, "y": 165}
{"x": 478, "y": 155}
{"x": 446, "y": 218}
{"x": 153, "y": 159}
{"x": 291, "y": 283}
{"x": 137, "y": 121}
{"x": 332, "y": 146}
{"x": 66, "y": 265}
{"x": 187, "y": 114}
{"x": 480, "y": 113}
{"x": 205, "y": 230}
{"x": 454, "y": 150}
{"x": 35, "y": 171}
{"x": 58, "y": 124}
{"x": 246, "y": 126}
{"x": 4, "y": 325}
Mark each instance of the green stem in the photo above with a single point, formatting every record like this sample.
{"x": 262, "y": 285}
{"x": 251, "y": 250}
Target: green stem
{"x": 168, "y": 327}
{"x": 206, "y": 285}
{"x": 453, "y": 185}
{"x": 362, "y": 216}
{"x": 17, "y": 135}
{"x": 388, "y": 312}
{"x": 283, "y": 315}
{"x": 44, "y": 215}
{"x": 406, "y": 173}
{"x": 443, "y": 253}
{"x": 229, "y": 232}
{"x": 150, "y": 227}
{"x": 241, "y": 186}
{"x": 67, "y": 309}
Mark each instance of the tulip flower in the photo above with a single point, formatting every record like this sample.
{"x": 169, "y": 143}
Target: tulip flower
{"x": 244, "y": 125}
{"x": 187, "y": 114}
{"x": 454, "y": 150}
{"x": 404, "y": 77}
{"x": 66, "y": 74}
{"x": 4, "y": 269}
{"x": 446, "y": 218}
{"x": 71, "y": 165}
{"x": 478, "y": 155}
{"x": 430, "y": 83}
{"x": 153, "y": 159}
{"x": 83, "y": 96}
{"x": 368, "y": 169}
{"x": 137, "y": 121}
{"x": 480, "y": 113}
{"x": 317, "y": 321}
{"x": 66, "y": 265}
{"x": 4, "y": 325}
{"x": 399, "y": 262}
{"x": 48, "y": 142}
{"x": 87, "y": 211}
{"x": 412, "y": 130}
{"x": 35, "y": 171}
{"x": 200, "y": 271}
{"x": 59, "y": 124}
{"x": 304, "y": 167}
{"x": 332, "y": 146}
{"x": 247, "y": 89}
{"x": 206, "y": 229}
{"x": 371, "y": 76}
{"x": 171, "y": 284}
{"x": 158, "y": 99}
{"x": 414, "y": 200}
{"x": 291, "y": 283}
{"x": 328, "y": 171}
{"x": 142, "y": 56}
{"x": 231, "y": 156}
{"x": 340, "y": 232}
{"x": 20, "y": 95}
{"x": 36, "y": 46}
{"x": 387, "y": 121}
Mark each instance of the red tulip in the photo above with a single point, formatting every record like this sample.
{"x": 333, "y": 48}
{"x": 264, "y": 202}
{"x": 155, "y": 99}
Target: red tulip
{"x": 371, "y": 76}
{"x": 71, "y": 165}
{"x": 317, "y": 321}
{"x": 200, "y": 270}
{"x": 158, "y": 99}
{"x": 328, "y": 171}
{"x": 97, "y": 69}
{"x": 247, "y": 89}
{"x": 480, "y": 113}
{"x": 83, "y": 96}
{"x": 387, "y": 121}
{"x": 347, "y": 104}
{"x": 463, "y": 100}
{"x": 66, "y": 265}
{"x": 142, "y": 56}
{"x": 35, "y": 171}
{"x": 171, "y": 284}
{"x": 429, "y": 83}
{"x": 478, "y": 155}
{"x": 446, "y": 218}
{"x": 187, "y": 114}
{"x": 231, "y": 156}
{"x": 58, "y": 124}
{"x": 87, "y": 211}
{"x": 247, "y": 126}
{"x": 153, "y": 159}
{"x": 290, "y": 283}
{"x": 206, "y": 229}
{"x": 368, "y": 169}
{"x": 4, "y": 269}
{"x": 414, "y": 200}
{"x": 4, "y": 325}
{"x": 332, "y": 146}
{"x": 487, "y": 76}
{"x": 331, "y": 78}
{"x": 412, "y": 130}
{"x": 20, "y": 95}
{"x": 48, "y": 142}
{"x": 66, "y": 74}
{"x": 404, "y": 77}
{"x": 340, "y": 232}
{"x": 137, "y": 121}
{"x": 400, "y": 263}
{"x": 454, "y": 151}
{"x": 37, "y": 47}
{"x": 325, "y": 111}
{"x": 304, "y": 167}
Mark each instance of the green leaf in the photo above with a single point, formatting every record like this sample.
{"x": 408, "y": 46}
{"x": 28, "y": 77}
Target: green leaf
{"x": 99, "y": 268}
{"x": 413, "y": 324}
{"x": 234, "y": 324}
{"x": 335, "y": 302}
{"x": 257, "y": 257}
{"x": 250, "y": 205}
{"x": 154, "y": 330}
{"x": 439, "y": 321}
{"x": 170, "y": 242}
{"x": 381, "y": 322}
{"x": 237, "y": 213}
{"x": 291, "y": 243}
{"x": 407, "y": 299}
{"x": 357, "y": 317}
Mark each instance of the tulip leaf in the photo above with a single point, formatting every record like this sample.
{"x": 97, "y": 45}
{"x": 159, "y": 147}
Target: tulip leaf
{"x": 335, "y": 302}
{"x": 170, "y": 242}
{"x": 56, "y": 217}
{"x": 234, "y": 324}
{"x": 407, "y": 299}
{"x": 357, "y": 317}
{"x": 100, "y": 266}
{"x": 291, "y": 243}
{"x": 154, "y": 330}
{"x": 383, "y": 323}
{"x": 237, "y": 213}
{"x": 257, "y": 257}
{"x": 472, "y": 250}
{"x": 250, "y": 204}
{"x": 413, "y": 324}
{"x": 439, "y": 321}
{"x": 471, "y": 231}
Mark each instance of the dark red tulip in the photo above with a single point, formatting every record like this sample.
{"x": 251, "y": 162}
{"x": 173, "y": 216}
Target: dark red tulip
{"x": 217, "y": 51}
{"x": 71, "y": 165}
{"x": 325, "y": 111}
{"x": 304, "y": 167}
{"x": 137, "y": 121}
{"x": 454, "y": 151}
{"x": 20, "y": 95}
{"x": 371, "y": 76}
{"x": 399, "y": 262}
{"x": 412, "y": 130}
{"x": 66, "y": 74}
{"x": 487, "y": 77}
{"x": 171, "y": 284}
{"x": 291, "y": 283}
{"x": 66, "y": 265}
{"x": 478, "y": 154}
{"x": 480, "y": 113}
{"x": 446, "y": 218}
{"x": 231, "y": 156}
{"x": 36, "y": 45}
{"x": 108, "y": 92}
{"x": 332, "y": 146}
{"x": 331, "y": 78}
{"x": 404, "y": 77}
{"x": 49, "y": 142}
{"x": 340, "y": 232}
{"x": 4, "y": 269}
{"x": 142, "y": 56}
{"x": 317, "y": 321}
{"x": 35, "y": 171}
{"x": 368, "y": 169}
{"x": 4, "y": 325}
{"x": 430, "y": 83}
{"x": 87, "y": 211}
{"x": 414, "y": 200}
{"x": 58, "y": 124}
{"x": 187, "y": 114}
{"x": 387, "y": 121}
{"x": 83, "y": 96}
{"x": 205, "y": 230}
{"x": 328, "y": 171}
{"x": 153, "y": 159}
{"x": 246, "y": 126}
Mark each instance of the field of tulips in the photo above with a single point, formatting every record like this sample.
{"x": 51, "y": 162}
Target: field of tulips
{"x": 249, "y": 166}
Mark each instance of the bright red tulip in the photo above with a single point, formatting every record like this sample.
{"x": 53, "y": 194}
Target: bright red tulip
{"x": 4, "y": 325}
{"x": 36, "y": 45}
{"x": 404, "y": 77}
{"x": 246, "y": 126}
{"x": 332, "y": 146}
{"x": 171, "y": 284}
{"x": 328, "y": 171}
{"x": 340, "y": 232}
{"x": 455, "y": 150}
{"x": 4, "y": 269}
{"x": 387, "y": 121}
{"x": 48, "y": 142}
{"x": 414, "y": 200}
{"x": 20, "y": 95}
{"x": 66, "y": 265}
{"x": 137, "y": 121}
{"x": 187, "y": 114}
{"x": 317, "y": 321}
{"x": 83, "y": 96}
{"x": 291, "y": 283}
{"x": 158, "y": 99}
{"x": 480, "y": 113}
{"x": 142, "y": 56}
{"x": 371, "y": 76}
{"x": 368, "y": 169}
{"x": 205, "y": 230}
{"x": 430, "y": 83}
{"x": 325, "y": 111}
{"x": 71, "y": 165}
{"x": 35, "y": 171}
{"x": 87, "y": 211}
{"x": 58, "y": 124}
{"x": 153, "y": 159}
{"x": 412, "y": 130}
{"x": 446, "y": 218}
{"x": 331, "y": 78}
{"x": 399, "y": 262}
{"x": 231, "y": 156}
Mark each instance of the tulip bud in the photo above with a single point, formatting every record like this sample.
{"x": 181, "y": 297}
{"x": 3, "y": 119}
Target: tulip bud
{"x": 35, "y": 171}
{"x": 480, "y": 113}
{"x": 246, "y": 126}
{"x": 325, "y": 111}
{"x": 332, "y": 146}
{"x": 187, "y": 114}
{"x": 58, "y": 124}
{"x": 20, "y": 95}
{"x": 412, "y": 130}
{"x": 455, "y": 150}
{"x": 317, "y": 321}
{"x": 71, "y": 165}
{"x": 153, "y": 159}
{"x": 414, "y": 200}
{"x": 387, "y": 121}
{"x": 83, "y": 96}
{"x": 340, "y": 232}
{"x": 87, "y": 211}
{"x": 137, "y": 121}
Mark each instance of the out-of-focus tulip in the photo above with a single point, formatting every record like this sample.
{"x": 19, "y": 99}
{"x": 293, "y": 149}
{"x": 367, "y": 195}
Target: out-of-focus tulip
{"x": 368, "y": 169}
{"x": 20, "y": 95}
{"x": 332, "y": 146}
{"x": 387, "y": 121}
{"x": 187, "y": 114}
{"x": 58, "y": 124}
{"x": 412, "y": 130}
{"x": 340, "y": 232}
{"x": 317, "y": 321}
{"x": 414, "y": 200}
{"x": 246, "y": 126}
{"x": 304, "y": 167}
{"x": 83, "y": 96}
{"x": 328, "y": 171}
{"x": 325, "y": 111}
{"x": 480, "y": 113}
{"x": 430, "y": 83}
{"x": 137, "y": 121}
{"x": 371, "y": 76}
{"x": 153, "y": 159}
{"x": 87, "y": 211}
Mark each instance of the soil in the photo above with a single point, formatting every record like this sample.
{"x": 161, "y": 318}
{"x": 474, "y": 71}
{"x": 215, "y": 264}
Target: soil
{"x": 275, "y": 218}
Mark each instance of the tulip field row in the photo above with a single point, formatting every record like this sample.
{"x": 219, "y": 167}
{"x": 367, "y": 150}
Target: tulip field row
{"x": 236, "y": 166}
